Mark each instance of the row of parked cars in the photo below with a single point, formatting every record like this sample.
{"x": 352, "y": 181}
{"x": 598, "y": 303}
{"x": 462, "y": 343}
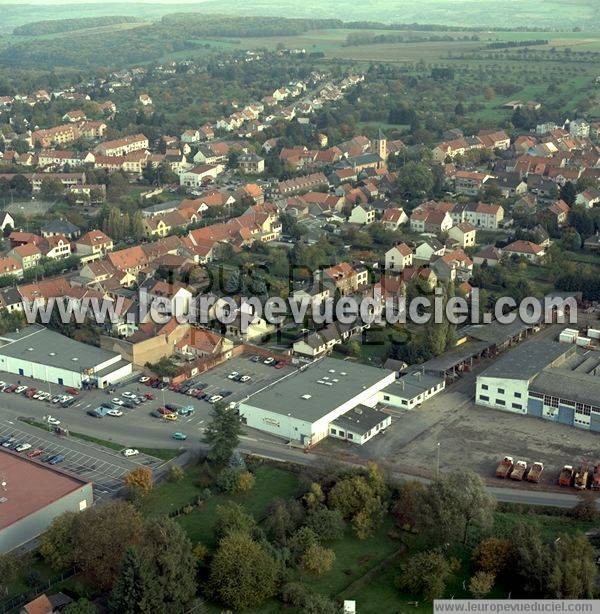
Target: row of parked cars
{"x": 113, "y": 407}
{"x": 172, "y": 411}
{"x": 64, "y": 399}
{"x": 12, "y": 443}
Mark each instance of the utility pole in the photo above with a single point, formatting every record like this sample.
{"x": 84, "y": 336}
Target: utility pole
{"x": 437, "y": 472}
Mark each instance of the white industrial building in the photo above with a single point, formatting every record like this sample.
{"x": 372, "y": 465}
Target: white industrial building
{"x": 412, "y": 389}
{"x": 46, "y": 355}
{"x": 306, "y": 405}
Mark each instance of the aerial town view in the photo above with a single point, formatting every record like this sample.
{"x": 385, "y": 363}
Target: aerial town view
{"x": 299, "y": 306}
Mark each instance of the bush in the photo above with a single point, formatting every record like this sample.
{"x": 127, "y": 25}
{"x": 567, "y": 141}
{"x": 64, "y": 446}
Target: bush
{"x": 176, "y": 473}
{"x": 234, "y": 480}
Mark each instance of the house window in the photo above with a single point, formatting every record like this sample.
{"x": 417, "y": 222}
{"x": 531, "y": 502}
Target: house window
{"x": 483, "y": 398}
{"x": 484, "y": 386}
{"x": 333, "y": 432}
{"x": 350, "y": 436}
{"x": 500, "y": 390}
{"x": 518, "y": 395}
{"x": 500, "y": 402}
{"x": 386, "y": 397}
{"x": 404, "y": 402}
{"x": 341, "y": 433}
{"x": 517, "y": 406}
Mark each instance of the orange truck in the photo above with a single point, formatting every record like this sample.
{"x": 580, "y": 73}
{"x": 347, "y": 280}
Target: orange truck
{"x": 566, "y": 476}
{"x": 505, "y": 467}
{"x": 519, "y": 470}
{"x": 535, "y": 473}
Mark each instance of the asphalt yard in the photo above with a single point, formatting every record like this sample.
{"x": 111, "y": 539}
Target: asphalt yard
{"x": 104, "y": 467}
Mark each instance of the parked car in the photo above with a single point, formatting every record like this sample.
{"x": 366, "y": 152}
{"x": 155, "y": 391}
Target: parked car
{"x": 130, "y": 452}
{"x": 52, "y": 421}
{"x": 34, "y": 453}
{"x": 30, "y": 393}
{"x": 7, "y": 443}
{"x": 149, "y": 396}
{"x": 128, "y": 395}
{"x": 59, "y": 458}
{"x": 215, "y": 398}
{"x": 269, "y": 360}
{"x": 94, "y": 413}
{"x": 144, "y": 379}
{"x": 172, "y": 417}
{"x": 279, "y": 365}
{"x": 20, "y": 389}
{"x": 129, "y": 404}
{"x": 72, "y": 391}
{"x": 67, "y": 403}
{"x": 245, "y": 378}
{"x": 179, "y": 436}
{"x": 156, "y": 414}
{"x": 233, "y": 375}
{"x": 255, "y": 358}
{"x": 164, "y": 411}
{"x": 11, "y": 388}
{"x": 22, "y": 447}
{"x": 118, "y": 402}
{"x": 115, "y": 413}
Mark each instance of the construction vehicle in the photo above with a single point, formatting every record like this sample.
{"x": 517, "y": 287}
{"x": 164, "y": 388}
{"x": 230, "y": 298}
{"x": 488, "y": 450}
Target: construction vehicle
{"x": 581, "y": 477}
{"x": 535, "y": 473}
{"x": 519, "y": 470}
{"x": 566, "y": 476}
{"x": 596, "y": 477}
{"x": 505, "y": 467}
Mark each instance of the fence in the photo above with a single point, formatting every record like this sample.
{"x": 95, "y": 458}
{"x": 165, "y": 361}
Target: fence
{"x": 17, "y": 601}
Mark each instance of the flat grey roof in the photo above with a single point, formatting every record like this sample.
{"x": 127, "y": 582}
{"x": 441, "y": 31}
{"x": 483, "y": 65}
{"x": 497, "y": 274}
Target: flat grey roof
{"x": 412, "y": 385}
{"x": 287, "y": 396}
{"x": 455, "y": 356}
{"x": 360, "y": 420}
{"x": 41, "y": 345}
{"x": 527, "y": 359}
{"x": 568, "y": 385}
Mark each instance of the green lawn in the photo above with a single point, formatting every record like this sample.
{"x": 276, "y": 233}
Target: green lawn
{"x": 271, "y": 482}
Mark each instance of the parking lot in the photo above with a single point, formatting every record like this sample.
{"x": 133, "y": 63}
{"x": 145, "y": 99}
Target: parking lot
{"x": 105, "y": 467}
{"x": 137, "y": 426}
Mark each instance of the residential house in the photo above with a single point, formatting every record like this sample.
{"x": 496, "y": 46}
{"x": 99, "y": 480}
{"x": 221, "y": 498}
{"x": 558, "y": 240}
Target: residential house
{"x": 464, "y": 233}
{"x": 175, "y": 299}
{"x": 398, "y": 257}
{"x": 362, "y": 215}
{"x": 93, "y": 245}
{"x": 199, "y": 342}
{"x": 588, "y": 198}
{"x": 10, "y": 266}
{"x": 60, "y": 228}
{"x": 123, "y": 146}
{"x": 559, "y": 212}
{"x": 428, "y": 249}
{"x": 344, "y": 277}
{"x": 470, "y": 183}
{"x": 525, "y": 249}
{"x": 28, "y": 255}
{"x": 393, "y": 218}
{"x": 484, "y": 215}
{"x": 251, "y": 163}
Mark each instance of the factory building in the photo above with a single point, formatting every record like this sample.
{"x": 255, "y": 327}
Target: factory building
{"x": 32, "y": 495}
{"x": 309, "y": 404}
{"x": 46, "y": 355}
{"x": 545, "y": 379}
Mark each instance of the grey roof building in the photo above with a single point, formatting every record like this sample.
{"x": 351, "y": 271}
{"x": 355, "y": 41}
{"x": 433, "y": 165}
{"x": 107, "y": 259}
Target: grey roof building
{"x": 302, "y": 405}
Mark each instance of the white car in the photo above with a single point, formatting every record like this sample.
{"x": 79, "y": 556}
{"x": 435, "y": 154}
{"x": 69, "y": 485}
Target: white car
{"x": 268, "y": 361}
{"x": 245, "y": 378}
{"x": 116, "y": 413}
{"x": 117, "y": 402}
{"x": 23, "y": 447}
{"x": 144, "y": 379}
{"x": 128, "y": 395}
{"x": 130, "y": 452}
{"x": 215, "y": 398}
{"x": 52, "y": 421}
{"x": 20, "y": 389}
{"x": 233, "y": 375}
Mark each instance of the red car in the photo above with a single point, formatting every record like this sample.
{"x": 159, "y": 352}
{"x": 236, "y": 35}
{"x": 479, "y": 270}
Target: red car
{"x": 279, "y": 365}
{"x": 72, "y": 391}
{"x": 11, "y": 388}
{"x": 164, "y": 411}
{"x": 29, "y": 393}
{"x": 34, "y": 453}
{"x": 149, "y": 396}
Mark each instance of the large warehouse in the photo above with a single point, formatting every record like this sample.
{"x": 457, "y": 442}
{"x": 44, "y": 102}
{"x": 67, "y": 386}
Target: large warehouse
{"x": 46, "y": 355}
{"x": 546, "y": 379}
{"x": 32, "y": 495}
{"x": 302, "y": 406}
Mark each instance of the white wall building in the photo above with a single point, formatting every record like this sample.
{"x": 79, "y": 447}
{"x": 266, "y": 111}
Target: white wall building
{"x": 302, "y": 406}
{"x": 43, "y": 354}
